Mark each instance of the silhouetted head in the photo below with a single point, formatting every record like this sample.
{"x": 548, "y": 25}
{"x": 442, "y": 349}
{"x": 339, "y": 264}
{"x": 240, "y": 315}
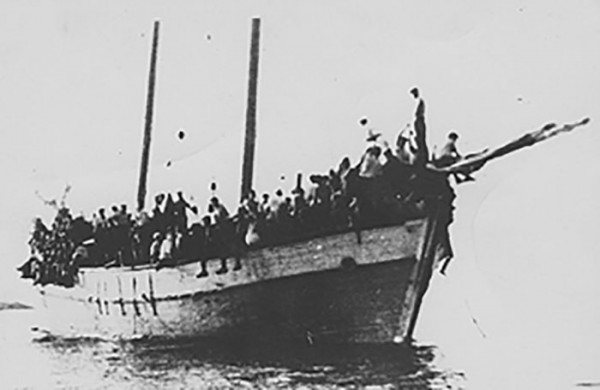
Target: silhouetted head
{"x": 415, "y": 92}
{"x": 279, "y": 192}
{"x": 345, "y": 164}
{"x": 374, "y": 151}
{"x": 298, "y": 191}
{"x": 452, "y": 136}
{"x": 318, "y": 179}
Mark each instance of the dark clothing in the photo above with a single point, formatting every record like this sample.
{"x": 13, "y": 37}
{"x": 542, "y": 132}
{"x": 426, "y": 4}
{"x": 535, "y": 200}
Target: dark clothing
{"x": 80, "y": 230}
{"x": 180, "y": 216}
{"x": 420, "y": 130}
{"x": 448, "y": 155}
{"x": 397, "y": 174}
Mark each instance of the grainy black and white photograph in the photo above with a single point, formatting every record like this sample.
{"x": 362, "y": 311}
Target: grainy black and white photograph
{"x": 382, "y": 195}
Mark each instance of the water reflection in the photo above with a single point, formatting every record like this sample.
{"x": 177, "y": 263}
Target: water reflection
{"x": 199, "y": 364}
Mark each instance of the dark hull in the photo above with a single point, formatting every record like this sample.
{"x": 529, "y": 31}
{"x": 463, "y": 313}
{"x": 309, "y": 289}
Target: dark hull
{"x": 346, "y": 305}
{"x": 344, "y": 288}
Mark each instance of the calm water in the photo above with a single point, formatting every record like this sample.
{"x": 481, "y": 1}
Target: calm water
{"x": 97, "y": 364}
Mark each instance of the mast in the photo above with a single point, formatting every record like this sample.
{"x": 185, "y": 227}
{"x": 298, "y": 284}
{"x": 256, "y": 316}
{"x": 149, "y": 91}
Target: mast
{"x": 250, "y": 138}
{"x": 141, "y": 195}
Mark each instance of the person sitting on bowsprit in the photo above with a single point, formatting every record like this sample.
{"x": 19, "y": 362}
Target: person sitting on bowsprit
{"x": 449, "y": 155}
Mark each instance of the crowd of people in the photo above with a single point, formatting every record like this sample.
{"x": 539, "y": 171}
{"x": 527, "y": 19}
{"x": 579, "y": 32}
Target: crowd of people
{"x": 384, "y": 187}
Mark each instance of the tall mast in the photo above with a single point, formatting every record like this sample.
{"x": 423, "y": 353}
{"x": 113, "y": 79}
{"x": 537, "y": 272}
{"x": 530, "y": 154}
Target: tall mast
{"x": 141, "y": 196}
{"x": 250, "y": 139}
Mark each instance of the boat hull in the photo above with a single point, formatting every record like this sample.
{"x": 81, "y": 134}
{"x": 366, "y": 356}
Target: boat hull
{"x": 346, "y": 288}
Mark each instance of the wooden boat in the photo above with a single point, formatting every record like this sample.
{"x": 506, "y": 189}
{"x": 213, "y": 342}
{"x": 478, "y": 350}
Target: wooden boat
{"x": 351, "y": 287}
{"x": 359, "y": 285}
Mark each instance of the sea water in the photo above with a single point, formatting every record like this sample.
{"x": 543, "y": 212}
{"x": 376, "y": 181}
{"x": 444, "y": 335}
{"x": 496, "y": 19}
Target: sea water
{"x": 47, "y": 363}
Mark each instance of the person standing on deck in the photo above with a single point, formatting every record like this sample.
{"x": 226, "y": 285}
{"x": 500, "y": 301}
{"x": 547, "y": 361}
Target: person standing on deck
{"x": 420, "y": 130}
{"x": 101, "y": 236}
{"x": 155, "y": 247}
{"x": 396, "y": 172}
{"x": 39, "y": 236}
{"x": 169, "y": 213}
{"x": 370, "y": 166}
{"x": 180, "y": 208}
{"x": 142, "y": 233}
{"x": 263, "y": 207}
{"x": 126, "y": 233}
{"x": 299, "y": 207}
{"x": 219, "y": 211}
{"x": 205, "y": 243}
{"x": 274, "y": 205}
{"x": 250, "y": 204}
{"x": 406, "y": 145}
{"x": 158, "y": 219}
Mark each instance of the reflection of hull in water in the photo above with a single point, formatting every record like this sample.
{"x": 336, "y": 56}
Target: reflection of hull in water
{"x": 349, "y": 287}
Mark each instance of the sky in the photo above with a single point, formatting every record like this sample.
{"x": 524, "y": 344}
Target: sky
{"x": 73, "y": 79}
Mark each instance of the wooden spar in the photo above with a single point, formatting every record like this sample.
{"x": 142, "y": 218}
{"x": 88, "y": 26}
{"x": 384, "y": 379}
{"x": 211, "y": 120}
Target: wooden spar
{"x": 141, "y": 195}
{"x": 476, "y": 161}
{"x": 250, "y": 138}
